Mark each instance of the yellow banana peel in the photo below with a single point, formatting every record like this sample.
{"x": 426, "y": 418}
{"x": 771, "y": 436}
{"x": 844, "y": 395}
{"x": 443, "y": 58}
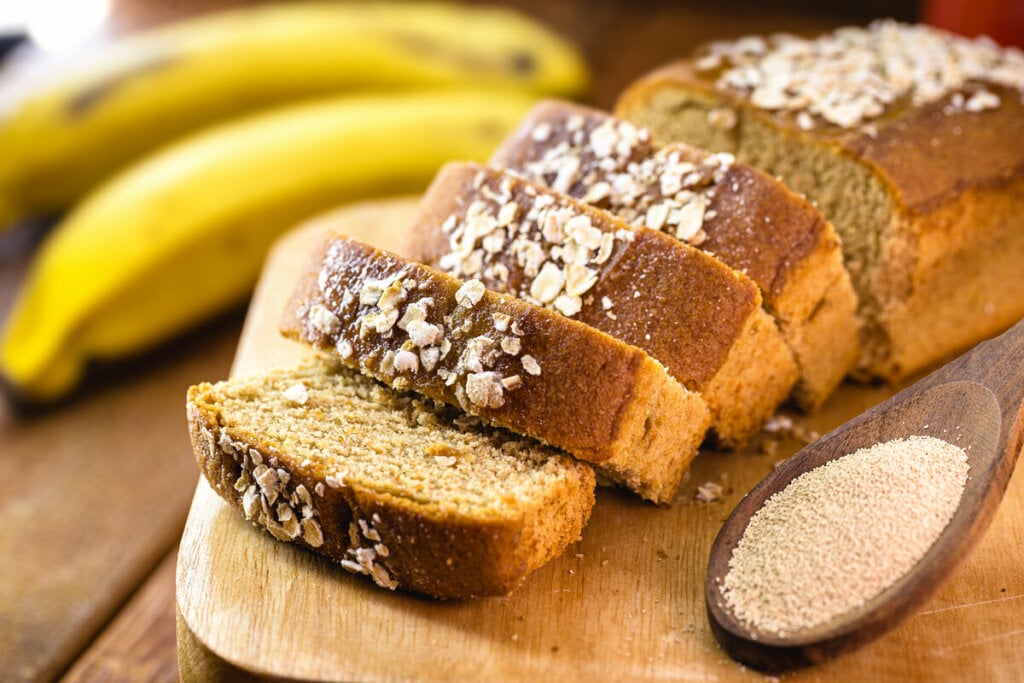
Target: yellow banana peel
{"x": 62, "y": 140}
{"x": 182, "y": 235}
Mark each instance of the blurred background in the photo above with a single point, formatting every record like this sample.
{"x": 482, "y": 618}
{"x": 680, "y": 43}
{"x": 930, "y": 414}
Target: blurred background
{"x": 95, "y": 485}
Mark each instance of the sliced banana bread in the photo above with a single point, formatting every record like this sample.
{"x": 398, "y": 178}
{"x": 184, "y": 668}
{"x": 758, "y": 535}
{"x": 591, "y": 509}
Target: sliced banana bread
{"x": 515, "y": 364}
{"x": 387, "y": 483}
{"x": 700, "y": 318}
{"x": 906, "y": 137}
{"x": 747, "y": 219}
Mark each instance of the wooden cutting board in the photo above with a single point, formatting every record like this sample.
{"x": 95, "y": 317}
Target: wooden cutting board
{"x": 624, "y": 603}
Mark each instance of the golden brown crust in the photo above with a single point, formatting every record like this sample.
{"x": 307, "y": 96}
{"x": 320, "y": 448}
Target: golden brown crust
{"x": 684, "y": 307}
{"x": 819, "y": 320}
{"x": 961, "y": 282}
{"x": 794, "y": 255}
{"x": 938, "y": 186}
{"x": 444, "y": 553}
{"x": 928, "y": 154}
{"x": 753, "y": 224}
{"x": 931, "y": 156}
{"x": 514, "y": 364}
{"x": 763, "y": 229}
{"x": 757, "y": 374}
{"x": 661, "y": 451}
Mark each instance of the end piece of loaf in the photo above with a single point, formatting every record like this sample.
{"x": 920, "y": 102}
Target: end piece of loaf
{"x": 908, "y": 140}
{"x": 516, "y": 365}
{"x": 745, "y": 218}
{"x": 387, "y": 483}
{"x": 700, "y": 318}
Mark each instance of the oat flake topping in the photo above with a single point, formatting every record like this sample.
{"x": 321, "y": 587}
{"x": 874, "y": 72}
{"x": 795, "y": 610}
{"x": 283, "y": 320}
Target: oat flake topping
{"x": 612, "y": 164}
{"x": 558, "y": 250}
{"x": 402, "y": 334}
{"x": 853, "y": 75}
{"x": 269, "y": 496}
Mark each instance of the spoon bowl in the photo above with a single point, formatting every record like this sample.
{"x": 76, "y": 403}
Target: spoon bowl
{"x": 974, "y": 402}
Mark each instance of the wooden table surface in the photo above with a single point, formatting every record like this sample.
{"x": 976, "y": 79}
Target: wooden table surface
{"x": 94, "y": 492}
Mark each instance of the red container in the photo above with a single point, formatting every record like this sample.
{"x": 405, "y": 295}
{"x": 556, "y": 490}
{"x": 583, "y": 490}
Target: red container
{"x": 1001, "y": 20}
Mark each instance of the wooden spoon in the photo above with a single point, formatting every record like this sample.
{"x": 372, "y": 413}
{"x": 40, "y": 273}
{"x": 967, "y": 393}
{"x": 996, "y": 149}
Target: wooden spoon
{"x": 979, "y": 398}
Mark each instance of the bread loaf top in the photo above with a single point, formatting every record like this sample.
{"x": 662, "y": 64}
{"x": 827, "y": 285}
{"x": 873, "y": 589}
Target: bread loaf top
{"x": 934, "y": 112}
{"x": 742, "y": 216}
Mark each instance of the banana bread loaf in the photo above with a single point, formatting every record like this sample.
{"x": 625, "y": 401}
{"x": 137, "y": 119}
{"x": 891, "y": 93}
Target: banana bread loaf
{"x": 512, "y": 363}
{"x": 703, "y": 320}
{"x": 906, "y": 137}
{"x": 416, "y": 496}
{"x": 747, "y": 219}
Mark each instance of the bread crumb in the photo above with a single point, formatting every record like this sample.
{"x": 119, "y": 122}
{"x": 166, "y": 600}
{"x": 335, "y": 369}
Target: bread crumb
{"x": 778, "y": 423}
{"x": 709, "y": 492}
{"x": 297, "y": 393}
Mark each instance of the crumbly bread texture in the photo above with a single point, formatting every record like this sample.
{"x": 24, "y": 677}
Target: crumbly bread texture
{"x": 908, "y": 139}
{"x": 745, "y": 218}
{"x": 514, "y": 364}
{"x": 387, "y": 483}
{"x": 700, "y": 318}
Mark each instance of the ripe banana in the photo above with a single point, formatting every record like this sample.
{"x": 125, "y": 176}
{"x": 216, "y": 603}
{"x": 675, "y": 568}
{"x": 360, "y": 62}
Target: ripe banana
{"x": 182, "y": 235}
{"x": 62, "y": 140}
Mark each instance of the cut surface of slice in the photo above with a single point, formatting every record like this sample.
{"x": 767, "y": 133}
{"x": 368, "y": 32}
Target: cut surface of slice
{"x": 415, "y": 495}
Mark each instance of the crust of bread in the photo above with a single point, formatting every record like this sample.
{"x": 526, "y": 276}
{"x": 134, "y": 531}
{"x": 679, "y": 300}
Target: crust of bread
{"x": 941, "y": 267}
{"x": 756, "y": 226}
{"x": 437, "y": 550}
{"x": 795, "y": 256}
{"x": 594, "y": 396}
{"x": 964, "y": 281}
{"x": 700, "y": 318}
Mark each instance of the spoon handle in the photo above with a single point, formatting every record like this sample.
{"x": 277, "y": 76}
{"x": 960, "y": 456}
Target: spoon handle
{"x": 998, "y": 365}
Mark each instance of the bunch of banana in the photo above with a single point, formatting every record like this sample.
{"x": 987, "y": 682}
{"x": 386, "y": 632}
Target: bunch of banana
{"x": 183, "y": 234}
{"x": 161, "y": 84}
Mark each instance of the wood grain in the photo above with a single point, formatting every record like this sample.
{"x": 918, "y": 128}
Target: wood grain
{"x": 625, "y": 602}
{"x": 139, "y": 644}
{"x": 93, "y": 494}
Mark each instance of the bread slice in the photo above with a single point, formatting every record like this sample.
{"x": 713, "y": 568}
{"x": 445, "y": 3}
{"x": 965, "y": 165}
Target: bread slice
{"x": 516, "y": 365}
{"x": 703, "y": 320}
{"x": 387, "y": 483}
{"x": 747, "y": 219}
{"x": 906, "y": 137}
